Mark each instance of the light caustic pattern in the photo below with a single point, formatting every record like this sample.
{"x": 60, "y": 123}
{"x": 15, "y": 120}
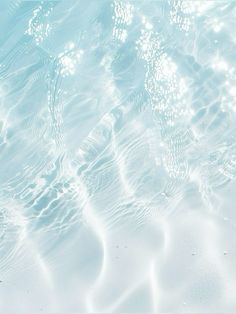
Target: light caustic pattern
{"x": 117, "y": 156}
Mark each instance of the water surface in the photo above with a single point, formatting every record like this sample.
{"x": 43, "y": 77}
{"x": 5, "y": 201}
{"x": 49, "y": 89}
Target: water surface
{"x": 117, "y": 156}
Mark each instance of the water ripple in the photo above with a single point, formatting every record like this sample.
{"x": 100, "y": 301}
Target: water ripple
{"x": 118, "y": 156}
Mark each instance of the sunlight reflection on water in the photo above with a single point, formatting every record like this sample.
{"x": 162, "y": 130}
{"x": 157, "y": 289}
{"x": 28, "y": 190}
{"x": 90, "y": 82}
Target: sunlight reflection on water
{"x": 118, "y": 156}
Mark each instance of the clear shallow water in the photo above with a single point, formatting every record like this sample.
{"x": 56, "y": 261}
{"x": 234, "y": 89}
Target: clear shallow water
{"x": 118, "y": 156}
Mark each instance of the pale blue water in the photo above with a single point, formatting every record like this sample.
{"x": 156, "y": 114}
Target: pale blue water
{"x": 117, "y": 156}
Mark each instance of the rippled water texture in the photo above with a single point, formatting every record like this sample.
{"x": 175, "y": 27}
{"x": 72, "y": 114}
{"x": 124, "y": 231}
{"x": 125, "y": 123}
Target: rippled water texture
{"x": 117, "y": 156}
